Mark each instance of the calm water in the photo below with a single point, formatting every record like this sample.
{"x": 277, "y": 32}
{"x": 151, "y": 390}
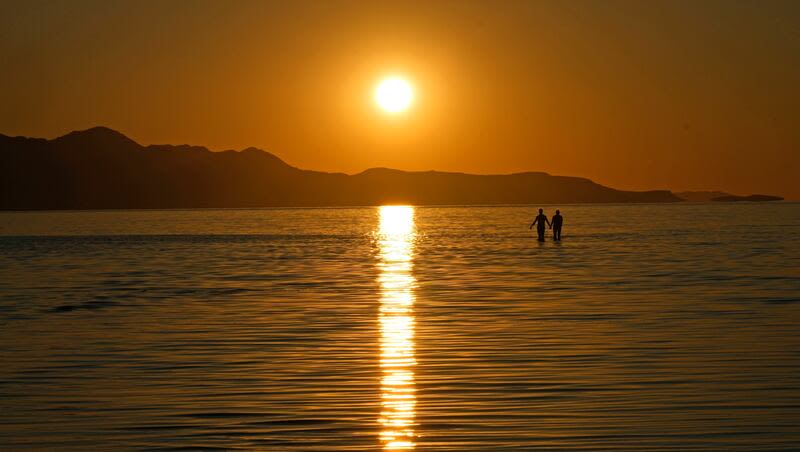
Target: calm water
{"x": 649, "y": 327}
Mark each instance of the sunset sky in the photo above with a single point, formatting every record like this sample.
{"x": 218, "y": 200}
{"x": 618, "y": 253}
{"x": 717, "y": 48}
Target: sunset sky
{"x": 636, "y": 95}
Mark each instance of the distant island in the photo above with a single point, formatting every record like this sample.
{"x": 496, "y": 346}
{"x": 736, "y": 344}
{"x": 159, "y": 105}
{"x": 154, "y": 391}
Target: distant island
{"x": 700, "y": 196}
{"x": 720, "y": 196}
{"x": 750, "y": 198}
{"x": 101, "y": 168}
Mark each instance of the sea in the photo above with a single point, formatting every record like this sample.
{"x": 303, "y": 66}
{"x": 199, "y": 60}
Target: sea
{"x": 648, "y": 327}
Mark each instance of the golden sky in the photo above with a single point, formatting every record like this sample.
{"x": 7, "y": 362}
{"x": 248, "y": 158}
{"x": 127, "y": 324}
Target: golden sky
{"x": 632, "y": 94}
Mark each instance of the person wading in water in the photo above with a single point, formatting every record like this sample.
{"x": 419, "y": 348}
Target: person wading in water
{"x": 540, "y": 221}
{"x": 558, "y": 220}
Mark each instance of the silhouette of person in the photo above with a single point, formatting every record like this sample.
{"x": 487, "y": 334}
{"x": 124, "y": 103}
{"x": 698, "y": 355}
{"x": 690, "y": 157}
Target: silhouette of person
{"x": 540, "y": 220}
{"x": 558, "y": 220}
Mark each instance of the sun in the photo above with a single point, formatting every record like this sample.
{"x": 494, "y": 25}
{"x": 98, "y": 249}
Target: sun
{"x": 394, "y": 94}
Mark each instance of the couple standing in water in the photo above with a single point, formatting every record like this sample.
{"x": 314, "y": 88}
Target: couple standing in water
{"x": 540, "y": 221}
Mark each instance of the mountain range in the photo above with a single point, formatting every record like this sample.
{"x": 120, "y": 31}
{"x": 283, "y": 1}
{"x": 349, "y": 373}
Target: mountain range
{"x": 100, "y": 168}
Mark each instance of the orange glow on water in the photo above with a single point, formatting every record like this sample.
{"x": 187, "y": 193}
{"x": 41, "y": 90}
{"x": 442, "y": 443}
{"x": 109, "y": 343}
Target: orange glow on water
{"x": 397, "y": 361}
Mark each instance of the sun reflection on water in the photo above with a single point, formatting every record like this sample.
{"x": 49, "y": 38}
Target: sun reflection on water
{"x": 398, "y": 399}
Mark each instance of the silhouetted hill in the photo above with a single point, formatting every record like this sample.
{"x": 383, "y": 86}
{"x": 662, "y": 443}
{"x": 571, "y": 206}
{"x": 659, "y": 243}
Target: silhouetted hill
{"x": 751, "y": 198}
{"x": 100, "y": 168}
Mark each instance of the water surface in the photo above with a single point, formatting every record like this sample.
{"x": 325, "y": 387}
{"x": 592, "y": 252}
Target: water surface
{"x": 649, "y": 327}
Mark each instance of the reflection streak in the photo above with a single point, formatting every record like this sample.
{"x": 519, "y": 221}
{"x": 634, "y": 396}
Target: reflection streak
{"x": 398, "y": 399}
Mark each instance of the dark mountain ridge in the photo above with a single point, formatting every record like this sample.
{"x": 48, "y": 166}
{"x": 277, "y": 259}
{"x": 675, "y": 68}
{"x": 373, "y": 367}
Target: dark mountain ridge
{"x": 101, "y": 168}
